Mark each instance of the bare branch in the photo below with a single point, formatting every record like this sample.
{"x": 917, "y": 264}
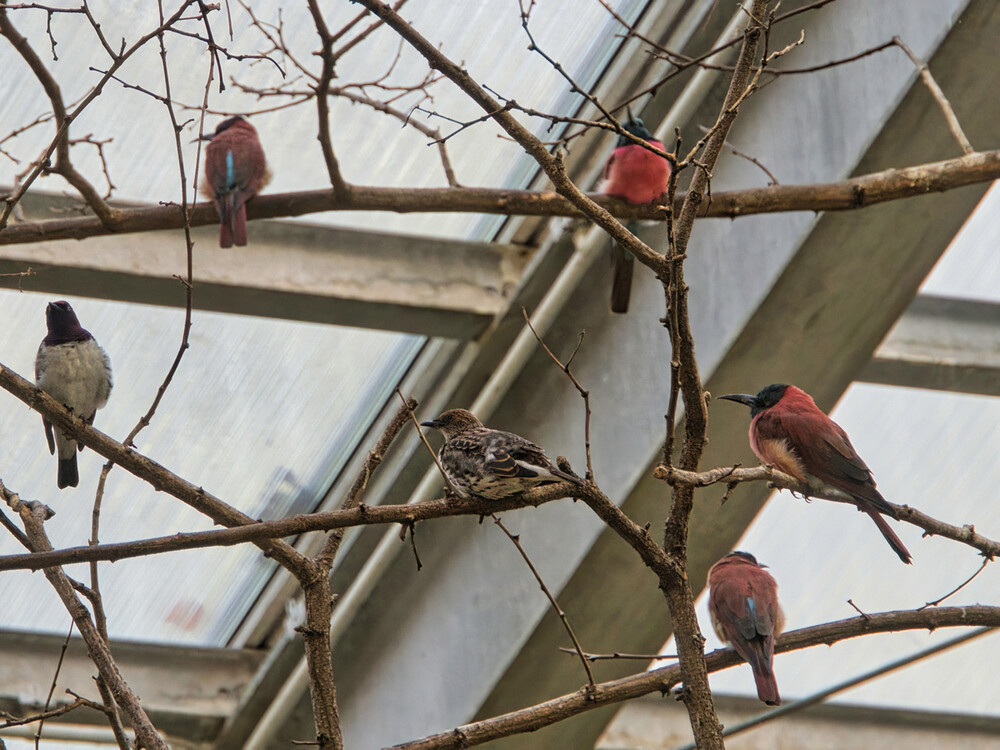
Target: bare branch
{"x": 516, "y": 541}
{"x": 732, "y": 475}
{"x": 584, "y": 393}
{"x": 664, "y": 679}
{"x": 340, "y": 188}
{"x": 845, "y": 195}
{"x": 949, "y": 114}
{"x": 33, "y": 516}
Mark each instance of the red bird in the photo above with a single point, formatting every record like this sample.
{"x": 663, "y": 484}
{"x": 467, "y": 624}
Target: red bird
{"x": 792, "y": 434}
{"x": 743, "y": 603}
{"x": 639, "y": 176}
{"x": 235, "y": 170}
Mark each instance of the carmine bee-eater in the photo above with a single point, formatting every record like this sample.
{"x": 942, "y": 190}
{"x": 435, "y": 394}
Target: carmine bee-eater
{"x": 74, "y": 370}
{"x": 235, "y": 170}
{"x": 790, "y": 433}
{"x": 639, "y": 176}
{"x": 743, "y": 603}
{"x": 491, "y": 464}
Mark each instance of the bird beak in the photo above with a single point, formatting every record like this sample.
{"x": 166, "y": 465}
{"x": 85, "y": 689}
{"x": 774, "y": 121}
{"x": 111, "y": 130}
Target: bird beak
{"x": 628, "y": 111}
{"x": 741, "y": 398}
{"x": 430, "y": 423}
{"x": 206, "y": 137}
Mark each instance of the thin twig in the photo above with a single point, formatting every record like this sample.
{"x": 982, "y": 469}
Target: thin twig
{"x": 329, "y": 552}
{"x": 958, "y": 588}
{"x": 515, "y": 539}
{"x": 618, "y": 655}
{"x": 437, "y": 461}
{"x": 939, "y": 97}
{"x": 52, "y": 686}
{"x": 584, "y": 393}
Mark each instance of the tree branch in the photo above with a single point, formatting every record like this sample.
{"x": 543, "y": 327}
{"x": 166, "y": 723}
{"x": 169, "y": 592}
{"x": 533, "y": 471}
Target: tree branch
{"x": 845, "y": 195}
{"x": 33, "y": 516}
{"x": 139, "y": 465}
{"x": 732, "y": 475}
{"x": 662, "y": 680}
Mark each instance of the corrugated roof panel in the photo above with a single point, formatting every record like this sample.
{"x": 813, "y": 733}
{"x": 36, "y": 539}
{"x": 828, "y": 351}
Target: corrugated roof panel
{"x": 373, "y": 149}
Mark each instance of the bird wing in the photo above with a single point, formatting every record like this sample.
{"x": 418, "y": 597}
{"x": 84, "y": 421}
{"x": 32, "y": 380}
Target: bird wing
{"x": 508, "y": 455}
{"x": 749, "y": 627}
{"x": 827, "y": 454}
{"x": 248, "y": 163}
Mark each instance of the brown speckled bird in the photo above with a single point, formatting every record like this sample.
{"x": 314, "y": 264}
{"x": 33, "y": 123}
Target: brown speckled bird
{"x": 491, "y": 464}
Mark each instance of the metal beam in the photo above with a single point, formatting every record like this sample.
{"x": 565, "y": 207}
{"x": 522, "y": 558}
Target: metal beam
{"x": 188, "y": 692}
{"x": 663, "y": 722}
{"x": 294, "y": 271}
{"x": 944, "y": 344}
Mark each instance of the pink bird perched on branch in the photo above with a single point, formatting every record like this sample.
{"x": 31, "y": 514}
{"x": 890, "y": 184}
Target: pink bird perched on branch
{"x": 789, "y": 432}
{"x": 637, "y": 175}
{"x": 235, "y": 171}
{"x": 743, "y": 604}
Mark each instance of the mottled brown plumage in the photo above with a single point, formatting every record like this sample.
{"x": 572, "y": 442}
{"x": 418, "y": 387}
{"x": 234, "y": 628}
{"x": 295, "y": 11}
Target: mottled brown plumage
{"x": 491, "y": 464}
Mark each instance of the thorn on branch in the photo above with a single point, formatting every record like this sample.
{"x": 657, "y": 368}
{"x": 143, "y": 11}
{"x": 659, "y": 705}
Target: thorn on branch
{"x": 857, "y": 609}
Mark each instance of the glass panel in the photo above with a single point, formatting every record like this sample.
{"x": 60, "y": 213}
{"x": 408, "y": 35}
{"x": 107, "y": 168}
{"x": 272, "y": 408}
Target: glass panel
{"x": 971, "y": 267}
{"x": 373, "y": 149}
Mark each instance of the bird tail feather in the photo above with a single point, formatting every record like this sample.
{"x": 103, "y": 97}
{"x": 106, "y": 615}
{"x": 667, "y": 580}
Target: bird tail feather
{"x": 890, "y": 536}
{"x": 767, "y": 686}
{"x": 763, "y": 674}
{"x": 239, "y": 219}
{"x": 225, "y": 206}
{"x": 68, "y": 474}
{"x": 621, "y": 278}
{"x": 49, "y": 438}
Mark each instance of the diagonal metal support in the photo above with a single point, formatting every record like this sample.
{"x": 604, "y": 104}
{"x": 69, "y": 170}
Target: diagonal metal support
{"x": 944, "y": 344}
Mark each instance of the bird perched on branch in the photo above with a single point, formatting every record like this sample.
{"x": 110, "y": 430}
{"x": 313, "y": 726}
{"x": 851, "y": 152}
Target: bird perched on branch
{"x": 235, "y": 171}
{"x": 74, "y": 370}
{"x": 743, "y": 603}
{"x": 790, "y": 433}
{"x": 491, "y": 464}
{"x": 637, "y": 175}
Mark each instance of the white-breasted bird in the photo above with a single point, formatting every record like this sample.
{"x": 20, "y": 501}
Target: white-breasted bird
{"x": 72, "y": 368}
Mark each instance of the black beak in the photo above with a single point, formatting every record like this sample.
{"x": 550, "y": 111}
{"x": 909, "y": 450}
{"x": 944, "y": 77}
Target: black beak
{"x": 741, "y": 398}
{"x": 431, "y": 423}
